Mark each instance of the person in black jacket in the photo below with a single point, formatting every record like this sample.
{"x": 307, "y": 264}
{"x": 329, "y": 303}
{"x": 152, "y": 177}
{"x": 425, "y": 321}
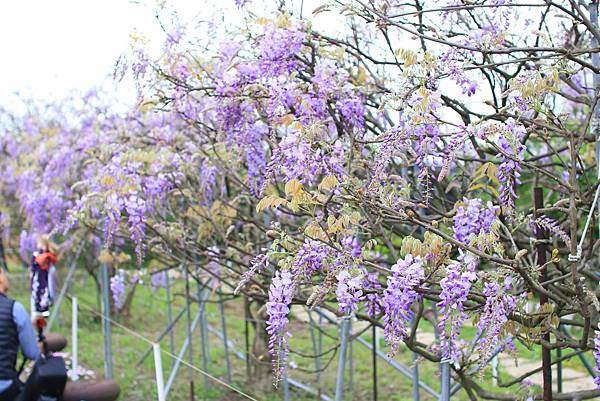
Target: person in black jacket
{"x": 16, "y": 332}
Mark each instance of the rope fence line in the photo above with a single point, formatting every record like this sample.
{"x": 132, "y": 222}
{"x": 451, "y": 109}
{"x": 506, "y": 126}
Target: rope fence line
{"x": 175, "y": 357}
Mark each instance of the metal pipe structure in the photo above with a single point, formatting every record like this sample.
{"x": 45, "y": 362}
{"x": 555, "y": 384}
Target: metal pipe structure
{"x": 445, "y": 381}
{"x": 106, "y": 329}
{"x": 339, "y": 382}
{"x": 374, "y": 360}
{"x": 225, "y": 342}
{"x": 74, "y": 340}
{"x": 160, "y": 384}
{"x": 294, "y": 383}
{"x": 541, "y": 249}
{"x": 185, "y": 347}
{"x": 316, "y": 350}
{"x": 350, "y": 359}
{"x": 203, "y": 333}
{"x": 415, "y": 373}
{"x": 170, "y": 317}
{"x": 189, "y": 331}
{"x": 404, "y": 371}
{"x": 159, "y": 338}
{"x": 286, "y": 387}
{"x": 584, "y": 361}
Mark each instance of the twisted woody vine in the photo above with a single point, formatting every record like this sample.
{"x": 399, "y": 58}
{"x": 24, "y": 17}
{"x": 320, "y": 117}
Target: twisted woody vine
{"x": 381, "y": 168}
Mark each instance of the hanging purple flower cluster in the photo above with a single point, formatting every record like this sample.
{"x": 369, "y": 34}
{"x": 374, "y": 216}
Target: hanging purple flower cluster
{"x": 499, "y": 304}
{"x": 349, "y": 291}
{"x": 257, "y": 264}
{"x": 278, "y": 49}
{"x": 136, "y": 209}
{"x": 312, "y": 258}
{"x": 471, "y": 218}
{"x": 117, "y": 288}
{"x": 372, "y": 286}
{"x": 597, "y": 356}
{"x": 509, "y": 170}
{"x": 401, "y": 292}
{"x": 455, "y": 290}
{"x": 280, "y": 297}
{"x": 158, "y": 280}
{"x": 546, "y": 223}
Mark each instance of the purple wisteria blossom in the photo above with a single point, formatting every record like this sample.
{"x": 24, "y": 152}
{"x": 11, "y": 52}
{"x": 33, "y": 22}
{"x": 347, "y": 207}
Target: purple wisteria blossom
{"x": 371, "y": 285}
{"x": 158, "y": 280}
{"x": 401, "y": 292}
{"x": 117, "y": 288}
{"x": 499, "y": 303}
{"x": 280, "y": 297}
{"x": 455, "y": 290}
{"x": 313, "y": 257}
{"x": 349, "y": 291}
{"x": 509, "y": 170}
{"x": 597, "y": 356}
{"x": 472, "y": 218}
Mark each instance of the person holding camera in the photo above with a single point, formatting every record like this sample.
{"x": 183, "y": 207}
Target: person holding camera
{"x": 16, "y": 332}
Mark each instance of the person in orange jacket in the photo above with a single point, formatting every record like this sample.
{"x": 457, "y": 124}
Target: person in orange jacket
{"x": 43, "y": 276}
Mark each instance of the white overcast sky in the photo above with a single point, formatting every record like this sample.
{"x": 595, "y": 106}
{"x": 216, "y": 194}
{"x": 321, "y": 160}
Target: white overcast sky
{"x": 51, "y": 48}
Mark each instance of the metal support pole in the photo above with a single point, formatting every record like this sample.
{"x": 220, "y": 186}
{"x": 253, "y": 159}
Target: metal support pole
{"x": 160, "y": 384}
{"x": 106, "y": 329}
{"x": 415, "y": 381}
{"x": 444, "y": 368}
{"x": 159, "y": 338}
{"x": 559, "y": 383}
{"x": 292, "y": 382}
{"x": 404, "y": 371}
{"x": 74, "y": 342}
{"x": 350, "y": 360}
{"x": 495, "y": 371}
{"x": 286, "y": 387}
{"x": 339, "y": 382}
{"x": 247, "y": 337}
{"x": 189, "y": 332}
{"x": 170, "y": 317}
{"x": 415, "y": 372}
{"x": 203, "y": 334}
{"x": 541, "y": 235}
{"x": 591, "y": 370}
{"x": 374, "y": 361}
{"x": 445, "y": 381}
{"x": 316, "y": 350}
{"x": 181, "y": 355}
{"x": 225, "y": 341}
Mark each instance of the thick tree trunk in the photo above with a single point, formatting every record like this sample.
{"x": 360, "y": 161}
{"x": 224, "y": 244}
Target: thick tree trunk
{"x": 260, "y": 359}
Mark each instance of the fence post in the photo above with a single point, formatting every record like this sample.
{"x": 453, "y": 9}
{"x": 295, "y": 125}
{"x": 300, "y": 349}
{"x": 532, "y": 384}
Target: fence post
{"x": 203, "y": 333}
{"x": 189, "y": 331}
{"x": 170, "y": 316}
{"x": 541, "y": 249}
{"x": 415, "y": 372}
{"x": 374, "y": 360}
{"x": 106, "y": 329}
{"x": 160, "y": 383}
{"x": 74, "y": 341}
{"x": 225, "y": 341}
{"x": 339, "y": 382}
